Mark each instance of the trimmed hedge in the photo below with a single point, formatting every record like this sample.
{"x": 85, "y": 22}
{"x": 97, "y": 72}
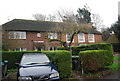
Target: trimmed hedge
{"x": 93, "y": 59}
{"x": 98, "y": 46}
{"x": 62, "y": 59}
{"x": 61, "y": 48}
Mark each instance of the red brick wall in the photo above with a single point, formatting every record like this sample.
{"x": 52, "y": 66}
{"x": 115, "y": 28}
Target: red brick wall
{"x": 32, "y": 36}
{"x": 97, "y": 37}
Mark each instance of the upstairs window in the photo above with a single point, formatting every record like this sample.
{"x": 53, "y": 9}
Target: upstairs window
{"x": 38, "y": 35}
{"x": 68, "y": 37}
{"x": 52, "y": 35}
{"x": 17, "y": 35}
{"x": 91, "y": 38}
{"x": 81, "y": 37}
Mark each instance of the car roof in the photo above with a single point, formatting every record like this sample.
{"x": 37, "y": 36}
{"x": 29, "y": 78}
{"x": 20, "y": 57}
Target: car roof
{"x": 33, "y": 54}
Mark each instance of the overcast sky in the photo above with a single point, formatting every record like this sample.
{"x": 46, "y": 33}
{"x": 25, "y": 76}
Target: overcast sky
{"x": 24, "y": 9}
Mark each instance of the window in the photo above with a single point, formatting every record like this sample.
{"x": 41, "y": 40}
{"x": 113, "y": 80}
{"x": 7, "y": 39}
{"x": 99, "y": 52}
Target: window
{"x": 52, "y": 48}
{"x": 91, "y": 37}
{"x": 17, "y": 35}
{"x": 52, "y": 35}
{"x": 18, "y": 49}
{"x": 68, "y": 37}
{"x": 38, "y": 35}
{"x": 81, "y": 37}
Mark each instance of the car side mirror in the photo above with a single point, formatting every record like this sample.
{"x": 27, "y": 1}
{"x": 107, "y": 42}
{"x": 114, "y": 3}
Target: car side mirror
{"x": 5, "y": 61}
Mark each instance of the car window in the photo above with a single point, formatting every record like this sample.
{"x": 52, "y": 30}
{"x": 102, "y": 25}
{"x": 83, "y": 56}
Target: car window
{"x": 31, "y": 59}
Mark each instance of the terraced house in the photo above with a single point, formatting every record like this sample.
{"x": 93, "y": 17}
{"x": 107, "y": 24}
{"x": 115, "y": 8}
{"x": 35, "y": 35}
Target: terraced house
{"x": 29, "y": 35}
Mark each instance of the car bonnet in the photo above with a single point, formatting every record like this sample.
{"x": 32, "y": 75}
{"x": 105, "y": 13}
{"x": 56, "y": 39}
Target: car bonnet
{"x": 36, "y": 70}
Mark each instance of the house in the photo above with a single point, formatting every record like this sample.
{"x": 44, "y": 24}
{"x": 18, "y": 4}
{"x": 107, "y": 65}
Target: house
{"x": 112, "y": 39}
{"x": 28, "y": 35}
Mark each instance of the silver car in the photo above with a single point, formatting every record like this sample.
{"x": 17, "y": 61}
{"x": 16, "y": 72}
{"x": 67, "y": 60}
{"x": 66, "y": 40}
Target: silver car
{"x": 36, "y": 67}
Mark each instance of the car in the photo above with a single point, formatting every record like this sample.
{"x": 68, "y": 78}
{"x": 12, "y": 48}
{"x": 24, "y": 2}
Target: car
{"x": 36, "y": 67}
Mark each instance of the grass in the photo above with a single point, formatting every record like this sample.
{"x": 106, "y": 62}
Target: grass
{"x": 12, "y": 70}
{"x": 115, "y": 66}
{"x": 116, "y": 58}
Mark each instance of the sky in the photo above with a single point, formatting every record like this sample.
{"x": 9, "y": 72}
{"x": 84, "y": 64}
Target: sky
{"x": 24, "y": 9}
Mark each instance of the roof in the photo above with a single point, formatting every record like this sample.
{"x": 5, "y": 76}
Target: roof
{"x": 112, "y": 39}
{"x": 33, "y": 25}
{"x": 28, "y": 25}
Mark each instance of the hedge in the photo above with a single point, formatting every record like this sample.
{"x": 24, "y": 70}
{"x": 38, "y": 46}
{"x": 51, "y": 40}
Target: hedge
{"x": 61, "y": 48}
{"x": 62, "y": 59}
{"x": 98, "y": 46}
{"x": 93, "y": 59}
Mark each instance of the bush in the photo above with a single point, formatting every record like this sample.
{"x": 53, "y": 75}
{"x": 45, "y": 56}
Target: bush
{"x": 62, "y": 59}
{"x": 61, "y": 48}
{"x": 93, "y": 59}
{"x": 99, "y": 46}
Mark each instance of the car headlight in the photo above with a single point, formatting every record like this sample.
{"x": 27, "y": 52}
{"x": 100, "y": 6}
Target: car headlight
{"x": 25, "y": 79}
{"x": 54, "y": 75}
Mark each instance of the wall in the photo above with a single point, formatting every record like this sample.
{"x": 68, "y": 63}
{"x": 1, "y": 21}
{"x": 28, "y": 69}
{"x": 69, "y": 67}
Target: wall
{"x": 31, "y": 37}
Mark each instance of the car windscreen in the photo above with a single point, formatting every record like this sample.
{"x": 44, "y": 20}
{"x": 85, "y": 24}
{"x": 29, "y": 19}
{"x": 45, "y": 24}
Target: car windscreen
{"x": 31, "y": 59}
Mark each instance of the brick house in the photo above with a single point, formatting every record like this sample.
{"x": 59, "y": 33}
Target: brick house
{"x": 28, "y": 35}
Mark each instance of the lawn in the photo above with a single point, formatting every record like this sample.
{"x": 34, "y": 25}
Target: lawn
{"x": 115, "y": 66}
{"x": 116, "y": 58}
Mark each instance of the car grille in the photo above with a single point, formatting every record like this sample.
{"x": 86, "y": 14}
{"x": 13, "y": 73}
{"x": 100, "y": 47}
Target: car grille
{"x": 43, "y": 77}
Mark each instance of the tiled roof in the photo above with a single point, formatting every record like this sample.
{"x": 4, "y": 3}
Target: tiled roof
{"x": 33, "y": 25}
{"x": 28, "y": 25}
{"x": 112, "y": 39}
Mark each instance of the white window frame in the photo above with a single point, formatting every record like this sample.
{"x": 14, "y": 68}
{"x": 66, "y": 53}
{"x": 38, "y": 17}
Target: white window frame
{"x": 18, "y": 49}
{"x": 83, "y": 37}
{"x": 52, "y": 35}
{"x": 93, "y": 38}
{"x": 38, "y": 34}
{"x": 17, "y": 35}
{"x": 67, "y": 38}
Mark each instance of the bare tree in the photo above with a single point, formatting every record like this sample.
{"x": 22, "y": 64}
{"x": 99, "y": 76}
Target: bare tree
{"x": 69, "y": 26}
{"x": 67, "y": 16}
{"x": 51, "y": 18}
{"x": 40, "y": 17}
{"x": 97, "y": 21}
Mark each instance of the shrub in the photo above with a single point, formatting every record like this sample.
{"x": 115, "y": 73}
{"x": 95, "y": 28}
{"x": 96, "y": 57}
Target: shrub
{"x": 93, "y": 59}
{"x": 61, "y": 48}
{"x": 61, "y": 59}
{"x": 98, "y": 46}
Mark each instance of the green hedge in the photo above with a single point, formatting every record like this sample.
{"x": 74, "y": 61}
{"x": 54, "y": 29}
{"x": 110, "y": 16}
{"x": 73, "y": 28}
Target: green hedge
{"x": 98, "y": 46}
{"x": 62, "y": 59}
{"x": 93, "y": 59}
{"x": 61, "y": 48}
